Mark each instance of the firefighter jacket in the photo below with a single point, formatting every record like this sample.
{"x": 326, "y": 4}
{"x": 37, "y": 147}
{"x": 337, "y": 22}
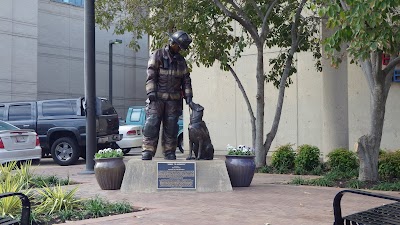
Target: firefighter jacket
{"x": 168, "y": 75}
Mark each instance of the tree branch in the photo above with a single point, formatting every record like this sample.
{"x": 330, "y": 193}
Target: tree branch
{"x": 246, "y": 99}
{"x": 265, "y": 28}
{"x": 387, "y": 84}
{"x": 285, "y": 75}
{"x": 258, "y": 11}
{"x": 391, "y": 65}
{"x": 246, "y": 24}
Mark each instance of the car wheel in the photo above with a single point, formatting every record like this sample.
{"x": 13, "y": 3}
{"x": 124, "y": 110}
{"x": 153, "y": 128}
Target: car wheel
{"x": 126, "y": 150}
{"x": 65, "y": 151}
{"x": 180, "y": 143}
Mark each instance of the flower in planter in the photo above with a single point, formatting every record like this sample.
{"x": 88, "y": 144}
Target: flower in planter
{"x": 240, "y": 150}
{"x": 109, "y": 153}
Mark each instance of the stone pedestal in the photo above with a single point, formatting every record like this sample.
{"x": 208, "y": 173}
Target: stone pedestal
{"x": 141, "y": 176}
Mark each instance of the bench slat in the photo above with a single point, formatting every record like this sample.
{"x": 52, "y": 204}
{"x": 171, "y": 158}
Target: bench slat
{"x": 383, "y": 215}
{"x": 8, "y": 221}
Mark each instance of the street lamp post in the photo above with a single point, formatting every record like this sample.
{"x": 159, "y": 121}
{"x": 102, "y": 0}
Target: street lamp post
{"x": 110, "y": 54}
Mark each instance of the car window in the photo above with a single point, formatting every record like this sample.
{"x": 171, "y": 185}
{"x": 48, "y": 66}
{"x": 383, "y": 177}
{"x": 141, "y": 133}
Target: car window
{"x": 59, "y": 108}
{"x": 107, "y": 108}
{"x": 135, "y": 116}
{"x": 19, "y": 112}
{"x": 7, "y": 126}
{"x": 2, "y": 108}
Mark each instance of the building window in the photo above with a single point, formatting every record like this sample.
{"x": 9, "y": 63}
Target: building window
{"x": 79, "y": 3}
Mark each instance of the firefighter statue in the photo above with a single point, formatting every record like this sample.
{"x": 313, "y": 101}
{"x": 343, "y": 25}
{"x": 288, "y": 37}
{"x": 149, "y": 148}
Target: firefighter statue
{"x": 168, "y": 81}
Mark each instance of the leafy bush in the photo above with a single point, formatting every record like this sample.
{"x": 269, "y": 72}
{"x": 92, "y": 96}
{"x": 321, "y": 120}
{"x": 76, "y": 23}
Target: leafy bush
{"x": 13, "y": 179}
{"x": 307, "y": 159}
{"x": 56, "y": 199}
{"x": 265, "y": 169}
{"x": 386, "y": 186}
{"x": 283, "y": 158}
{"x": 389, "y": 165}
{"x": 342, "y": 159}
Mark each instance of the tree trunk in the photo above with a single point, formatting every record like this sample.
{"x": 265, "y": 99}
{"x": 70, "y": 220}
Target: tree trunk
{"x": 368, "y": 145}
{"x": 259, "y": 147}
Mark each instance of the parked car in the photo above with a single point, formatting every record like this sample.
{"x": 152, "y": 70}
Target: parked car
{"x": 136, "y": 115}
{"x": 18, "y": 144}
{"x": 61, "y": 125}
{"x": 132, "y": 137}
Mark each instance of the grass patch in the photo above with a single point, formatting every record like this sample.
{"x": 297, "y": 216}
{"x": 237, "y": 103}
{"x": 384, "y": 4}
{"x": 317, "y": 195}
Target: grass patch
{"x": 40, "y": 181}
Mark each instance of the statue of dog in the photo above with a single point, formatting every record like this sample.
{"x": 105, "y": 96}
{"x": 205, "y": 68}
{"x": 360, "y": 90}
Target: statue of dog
{"x": 199, "y": 138}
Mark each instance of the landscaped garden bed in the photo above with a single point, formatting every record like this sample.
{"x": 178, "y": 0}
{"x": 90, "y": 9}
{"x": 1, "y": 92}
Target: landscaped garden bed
{"x": 51, "y": 203}
{"x": 340, "y": 170}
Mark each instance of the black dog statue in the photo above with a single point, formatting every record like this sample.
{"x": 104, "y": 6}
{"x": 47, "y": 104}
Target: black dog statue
{"x": 199, "y": 138}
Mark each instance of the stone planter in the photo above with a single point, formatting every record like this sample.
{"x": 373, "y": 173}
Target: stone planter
{"x": 109, "y": 172}
{"x": 241, "y": 169}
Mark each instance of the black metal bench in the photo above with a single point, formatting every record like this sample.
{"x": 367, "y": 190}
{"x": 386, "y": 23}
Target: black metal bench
{"x": 25, "y": 212}
{"x": 382, "y": 215}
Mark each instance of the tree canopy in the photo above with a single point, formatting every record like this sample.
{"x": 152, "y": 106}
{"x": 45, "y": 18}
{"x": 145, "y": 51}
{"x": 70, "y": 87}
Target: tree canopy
{"x": 367, "y": 29}
{"x": 221, "y": 30}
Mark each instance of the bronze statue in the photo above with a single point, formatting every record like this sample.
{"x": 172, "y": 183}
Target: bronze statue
{"x": 199, "y": 138}
{"x": 168, "y": 81}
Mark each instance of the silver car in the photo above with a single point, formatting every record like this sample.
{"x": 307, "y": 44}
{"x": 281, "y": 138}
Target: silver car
{"x": 18, "y": 144}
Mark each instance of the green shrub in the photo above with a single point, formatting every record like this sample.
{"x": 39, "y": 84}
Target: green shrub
{"x": 299, "y": 181}
{"x": 265, "y": 169}
{"x": 385, "y": 186}
{"x": 342, "y": 159}
{"x": 307, "y": 159}
{"x": 40, "y": 181}
{"x": 13, "y": 179}
{"x": 283, "y": 158}
{"x": 389, "y": 165}
{"x": 55, "y": 199}
{"x": 382, "y": 152}
{"x": 99, "y": 207}
{"x": 323, "y": 182}
{"x": 355, "y": 184}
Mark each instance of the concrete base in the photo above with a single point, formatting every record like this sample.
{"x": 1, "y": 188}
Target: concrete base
{"x": 141, "y": 176}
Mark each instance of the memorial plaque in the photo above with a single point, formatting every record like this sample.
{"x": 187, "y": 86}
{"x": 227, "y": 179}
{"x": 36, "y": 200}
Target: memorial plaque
{"x": 176, "y": 175}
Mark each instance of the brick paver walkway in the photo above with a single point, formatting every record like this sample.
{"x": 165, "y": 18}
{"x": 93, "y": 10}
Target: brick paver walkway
{"x": 266, "y": 201}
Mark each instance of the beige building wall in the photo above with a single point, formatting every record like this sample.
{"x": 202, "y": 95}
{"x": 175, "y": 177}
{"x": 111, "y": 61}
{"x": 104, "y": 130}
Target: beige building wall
{"x": 227, "y": 117}
{"x": 61, "y": 58}
{"x": 18, "y": 49}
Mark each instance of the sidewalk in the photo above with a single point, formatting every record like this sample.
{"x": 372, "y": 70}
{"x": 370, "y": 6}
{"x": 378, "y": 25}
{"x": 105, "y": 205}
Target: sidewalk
{"x": 266, "y": 201}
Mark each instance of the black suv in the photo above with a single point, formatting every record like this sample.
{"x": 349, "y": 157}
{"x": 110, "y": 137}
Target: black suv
{"x": 61, "y": 125}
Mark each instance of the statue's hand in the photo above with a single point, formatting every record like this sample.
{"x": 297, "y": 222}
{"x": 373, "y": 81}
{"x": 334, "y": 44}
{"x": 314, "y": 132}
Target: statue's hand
{"x": 188, "y": 100}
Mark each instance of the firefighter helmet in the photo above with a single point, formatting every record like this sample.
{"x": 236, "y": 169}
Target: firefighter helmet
{"x": 181, "y": 38}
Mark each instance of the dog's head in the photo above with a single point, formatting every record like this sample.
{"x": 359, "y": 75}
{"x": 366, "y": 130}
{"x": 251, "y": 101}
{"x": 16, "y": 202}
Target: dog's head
{"x": 196, "y": 114}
